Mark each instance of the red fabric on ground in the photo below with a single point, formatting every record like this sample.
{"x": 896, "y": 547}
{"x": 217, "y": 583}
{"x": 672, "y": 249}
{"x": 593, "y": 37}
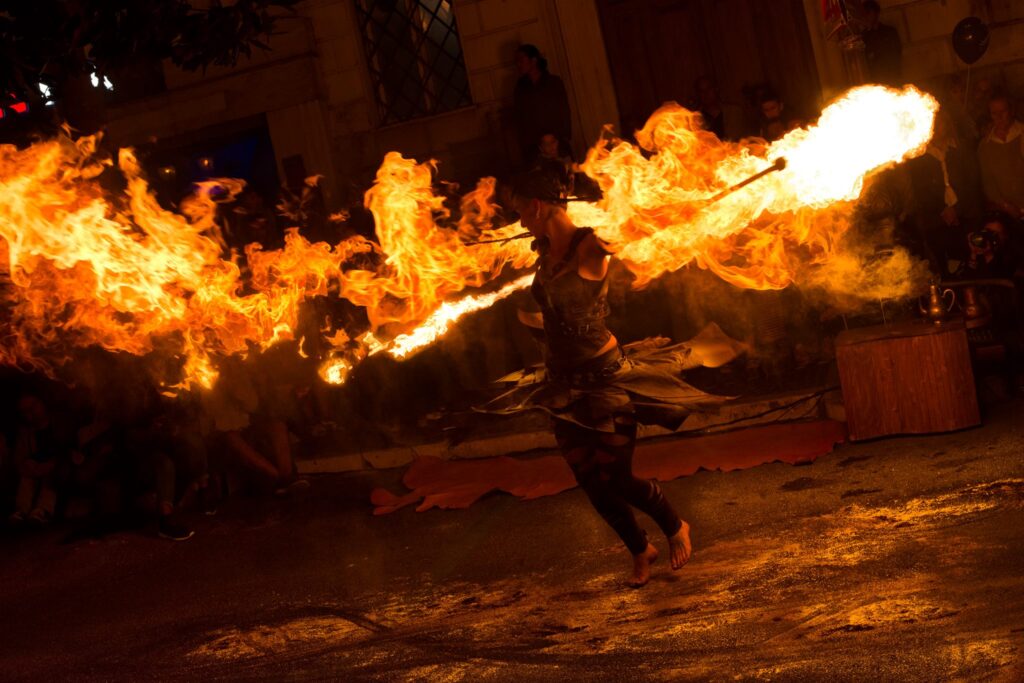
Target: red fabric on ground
{"x": 451, "y": 484}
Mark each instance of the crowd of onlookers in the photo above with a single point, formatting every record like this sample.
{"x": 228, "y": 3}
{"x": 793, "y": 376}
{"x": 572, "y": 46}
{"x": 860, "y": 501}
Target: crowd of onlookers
{"x": 106, "y": 441}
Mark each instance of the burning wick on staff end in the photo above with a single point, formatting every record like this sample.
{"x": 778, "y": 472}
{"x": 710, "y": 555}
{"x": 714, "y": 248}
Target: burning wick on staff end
{"x": 778, "y": 165}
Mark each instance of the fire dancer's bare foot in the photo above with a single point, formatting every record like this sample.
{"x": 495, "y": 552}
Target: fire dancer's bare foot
{"x": 642, "y": 566}
{"x": 679, "y": 547}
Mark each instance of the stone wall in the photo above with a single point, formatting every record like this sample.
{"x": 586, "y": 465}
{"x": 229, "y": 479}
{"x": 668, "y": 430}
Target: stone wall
{"x": 479, "y": 139}
{"x": 314, "y": 90}
{"x": 926, "y": 27}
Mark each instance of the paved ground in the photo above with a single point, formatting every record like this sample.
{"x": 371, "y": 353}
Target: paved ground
{"x": 894, "y": 560}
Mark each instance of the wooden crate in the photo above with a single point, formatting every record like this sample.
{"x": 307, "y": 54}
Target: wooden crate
{"x": 909, "y": 378}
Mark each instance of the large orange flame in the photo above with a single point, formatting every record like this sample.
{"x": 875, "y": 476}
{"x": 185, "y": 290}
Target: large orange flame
{"x": 663, "y": 204}
{"x": 86, "y": 272}
{"x": 83, "y": 269}
{"x": 656, "y": 210}
{"x": 130, "y": 276}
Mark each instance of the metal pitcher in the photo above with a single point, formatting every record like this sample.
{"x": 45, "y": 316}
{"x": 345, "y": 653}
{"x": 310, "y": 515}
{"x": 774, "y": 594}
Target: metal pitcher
{"x": 937, "y": 307}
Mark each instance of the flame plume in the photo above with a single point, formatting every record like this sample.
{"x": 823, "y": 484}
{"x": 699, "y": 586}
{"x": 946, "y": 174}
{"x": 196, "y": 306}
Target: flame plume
{"x": 655, "y": 211}
{"x": 84, "y": 272}
{"x": 81, "y": 269}
{"x": 126, "y": 276}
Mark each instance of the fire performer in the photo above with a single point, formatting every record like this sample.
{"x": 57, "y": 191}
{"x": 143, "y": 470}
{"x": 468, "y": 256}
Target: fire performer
{"x": 595, "y": 390}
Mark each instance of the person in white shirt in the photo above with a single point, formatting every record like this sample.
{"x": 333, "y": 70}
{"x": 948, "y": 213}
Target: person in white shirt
{"x": 1001, "y": 158}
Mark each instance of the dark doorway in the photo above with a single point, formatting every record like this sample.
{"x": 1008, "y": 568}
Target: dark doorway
{"x": 658, "y": 48}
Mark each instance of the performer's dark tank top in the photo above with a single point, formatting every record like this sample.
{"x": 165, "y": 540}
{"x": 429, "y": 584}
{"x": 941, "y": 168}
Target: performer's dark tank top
{"x": 574, "y": 308}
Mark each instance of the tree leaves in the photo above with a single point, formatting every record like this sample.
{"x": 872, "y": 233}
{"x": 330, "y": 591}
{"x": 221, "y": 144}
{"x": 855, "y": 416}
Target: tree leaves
{"x": 53, "y": 40}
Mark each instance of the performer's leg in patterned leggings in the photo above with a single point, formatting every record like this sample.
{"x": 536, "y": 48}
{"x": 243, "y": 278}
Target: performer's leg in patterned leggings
{"x": 602, "y": 463}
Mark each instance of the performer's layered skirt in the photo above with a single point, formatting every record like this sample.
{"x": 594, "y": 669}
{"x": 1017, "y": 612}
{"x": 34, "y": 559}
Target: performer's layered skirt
{"x": 643, "y": 378}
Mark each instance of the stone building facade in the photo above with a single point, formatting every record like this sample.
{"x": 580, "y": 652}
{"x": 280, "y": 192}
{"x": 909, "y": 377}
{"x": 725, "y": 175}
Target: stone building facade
{"x": 313, "y": 94}
{"x": 925, "y": 27}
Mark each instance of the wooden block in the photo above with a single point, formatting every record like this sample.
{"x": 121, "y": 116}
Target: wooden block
{"x": 907, "y": 379}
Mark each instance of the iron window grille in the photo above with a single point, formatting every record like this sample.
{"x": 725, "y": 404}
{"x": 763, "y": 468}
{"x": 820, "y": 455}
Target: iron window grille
{"x": 414, "y": 57}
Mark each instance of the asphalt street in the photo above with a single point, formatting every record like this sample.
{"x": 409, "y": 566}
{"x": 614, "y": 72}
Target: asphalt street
{"x": 899, "y": 559}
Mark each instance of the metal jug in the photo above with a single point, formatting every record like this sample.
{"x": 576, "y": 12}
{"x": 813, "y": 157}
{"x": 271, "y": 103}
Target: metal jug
{"x": 937, "y": 307}
{"x": 976, "y": 312}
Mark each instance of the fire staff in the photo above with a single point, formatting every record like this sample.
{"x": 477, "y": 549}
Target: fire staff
{"x": 595, "y": 390}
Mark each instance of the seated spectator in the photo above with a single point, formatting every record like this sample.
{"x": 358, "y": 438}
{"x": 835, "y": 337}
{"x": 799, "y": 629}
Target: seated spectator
{"x": 104, "y": 398}
{"x": 997, "y": 311}
{"x": 40, "y": 448}
{"x": 137, "y": 445}
{"x": 1001, "y": 157}
{"x": 575, "y": 181}
{"x": 169, "y": 454}
{"x": 991, "y": 251}
{"x": 248, "y": 415}
{"x": 724, "y": 120}
{"x": 98, "y": 471}
{"x": 955, "y": 103}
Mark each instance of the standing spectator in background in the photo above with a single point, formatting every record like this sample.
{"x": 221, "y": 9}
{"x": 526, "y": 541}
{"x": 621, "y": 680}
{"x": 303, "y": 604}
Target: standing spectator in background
{"x": 946, "y": 197}
{"x": 1001, "y": 157}
{"x": 250, "y": 406}
{"x": 954, "y": 101}
{"x": 724, "y": 120}
{"x": 541, "y": 105}
{"x": 775, "y": 121}
{"x": 168, "y": 450}
{"x": 883, "y": 50}
{"x": 772, "y": 125}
